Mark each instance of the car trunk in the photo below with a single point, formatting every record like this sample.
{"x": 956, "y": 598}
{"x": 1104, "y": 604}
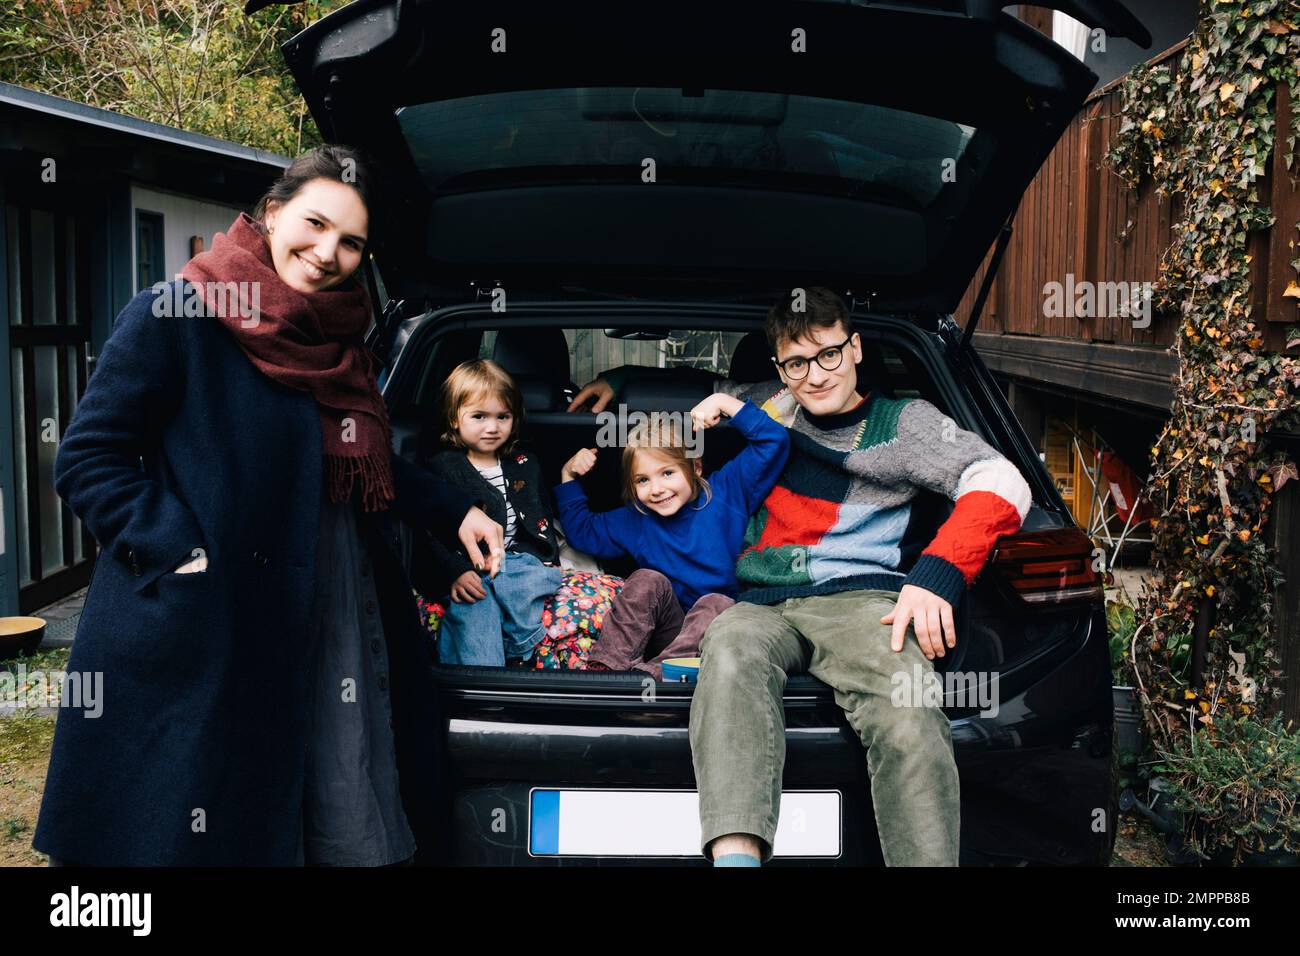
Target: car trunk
{"x": 900, "y": 360}
{"x": 520, "y": 738}
{"x": 871, "y": 146}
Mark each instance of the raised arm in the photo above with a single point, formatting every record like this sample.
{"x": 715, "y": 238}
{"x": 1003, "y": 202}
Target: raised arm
{"x": 604, "y": 535}
{"x": 750, "y": 475}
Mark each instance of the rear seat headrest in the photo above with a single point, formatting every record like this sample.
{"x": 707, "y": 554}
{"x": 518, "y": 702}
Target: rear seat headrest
{"x": 659, "y": 394}
{"x": 538, "y": 353}
{"x": 752, "y": 360}
{"x": 541, "y": 394}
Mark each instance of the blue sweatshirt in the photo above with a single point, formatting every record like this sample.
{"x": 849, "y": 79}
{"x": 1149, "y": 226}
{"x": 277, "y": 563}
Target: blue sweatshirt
{"x": 696, "y": 548}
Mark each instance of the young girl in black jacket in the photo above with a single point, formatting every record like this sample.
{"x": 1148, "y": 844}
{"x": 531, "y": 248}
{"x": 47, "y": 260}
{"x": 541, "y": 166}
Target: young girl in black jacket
{"x": 491, "y": 619}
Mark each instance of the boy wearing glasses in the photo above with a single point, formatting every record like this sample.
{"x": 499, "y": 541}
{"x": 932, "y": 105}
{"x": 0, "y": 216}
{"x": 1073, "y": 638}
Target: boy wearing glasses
{"x": 823, "y": 593}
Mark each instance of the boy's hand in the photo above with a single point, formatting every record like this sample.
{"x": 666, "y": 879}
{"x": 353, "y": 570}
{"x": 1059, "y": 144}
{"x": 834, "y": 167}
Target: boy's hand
{"x": 579, "y": 464}
{"x": 467, "y": 588}
{"x": 931, "y": 618}
{"x": 477, "y": 527}
{"x": 599, "y": 389}
{"x": 709, "y": 411}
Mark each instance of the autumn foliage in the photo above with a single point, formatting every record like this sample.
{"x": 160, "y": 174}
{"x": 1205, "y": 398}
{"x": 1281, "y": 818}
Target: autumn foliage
{"x": 199, "y": 65}
{"x": 1205, "y": 133}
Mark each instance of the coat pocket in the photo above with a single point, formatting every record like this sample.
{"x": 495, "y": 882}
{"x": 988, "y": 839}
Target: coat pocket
{"x": 187, "y": 576}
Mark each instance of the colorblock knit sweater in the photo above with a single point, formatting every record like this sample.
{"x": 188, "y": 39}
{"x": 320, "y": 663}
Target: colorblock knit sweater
{"x": 840, "y": 516}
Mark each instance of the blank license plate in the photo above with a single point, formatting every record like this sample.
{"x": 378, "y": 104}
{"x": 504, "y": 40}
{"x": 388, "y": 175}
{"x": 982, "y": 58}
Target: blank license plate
{"x": 655, "y": 823}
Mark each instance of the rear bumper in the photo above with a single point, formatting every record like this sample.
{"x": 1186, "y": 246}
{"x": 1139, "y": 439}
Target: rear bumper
{"x": 1035, "y": 778}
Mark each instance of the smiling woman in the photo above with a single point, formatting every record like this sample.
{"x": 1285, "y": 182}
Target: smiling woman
{"x": 311, "y": 251}
{"x": 267, "y": 695}
{"x": 322, "y": 206}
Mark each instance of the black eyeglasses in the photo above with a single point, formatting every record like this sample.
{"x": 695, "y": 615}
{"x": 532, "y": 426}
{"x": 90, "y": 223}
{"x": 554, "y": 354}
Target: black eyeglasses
{"x": 828, "y": 358}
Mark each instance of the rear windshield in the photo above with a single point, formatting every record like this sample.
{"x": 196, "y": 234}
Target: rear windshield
{"x": 768, "y": 140}
{"x": 592, "y": 352}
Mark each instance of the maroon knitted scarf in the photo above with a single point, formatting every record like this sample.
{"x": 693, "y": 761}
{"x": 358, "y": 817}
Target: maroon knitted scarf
{"x": 310, "y": 341}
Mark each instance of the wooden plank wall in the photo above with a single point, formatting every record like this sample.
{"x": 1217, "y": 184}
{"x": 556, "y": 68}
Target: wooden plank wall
{"x": 1079, "y": 218}
{"x": 592, "y": 352}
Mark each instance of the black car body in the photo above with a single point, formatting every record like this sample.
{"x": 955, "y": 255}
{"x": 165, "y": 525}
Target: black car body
{"x": 881, "y": 162}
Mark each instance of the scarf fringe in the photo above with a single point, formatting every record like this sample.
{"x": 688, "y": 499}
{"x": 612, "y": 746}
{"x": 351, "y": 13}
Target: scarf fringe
{"x": 376, "y": 479}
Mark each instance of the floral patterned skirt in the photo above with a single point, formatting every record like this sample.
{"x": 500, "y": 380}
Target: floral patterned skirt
{"x": 572, "y": 617}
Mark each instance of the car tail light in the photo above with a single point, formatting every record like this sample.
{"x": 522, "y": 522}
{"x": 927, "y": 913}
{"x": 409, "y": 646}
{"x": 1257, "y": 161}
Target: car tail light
{"x": 1048, "y": 567}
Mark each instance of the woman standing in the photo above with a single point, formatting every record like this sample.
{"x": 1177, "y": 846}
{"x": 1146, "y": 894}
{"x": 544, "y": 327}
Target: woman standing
{"x": 267, "y": 695}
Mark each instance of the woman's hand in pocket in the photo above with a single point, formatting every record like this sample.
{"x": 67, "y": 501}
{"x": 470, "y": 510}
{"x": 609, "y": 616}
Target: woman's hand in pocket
{"x": 197, "y": 563}
{"x": 467, "y": 588}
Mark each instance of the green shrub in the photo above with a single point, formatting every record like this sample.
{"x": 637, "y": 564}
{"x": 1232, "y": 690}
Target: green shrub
{"x": 1121, "y": 620}
{"x": 1236, "y": 781}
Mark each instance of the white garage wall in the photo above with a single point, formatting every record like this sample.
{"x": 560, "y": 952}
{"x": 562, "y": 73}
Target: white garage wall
{"x": 183, "y": 217}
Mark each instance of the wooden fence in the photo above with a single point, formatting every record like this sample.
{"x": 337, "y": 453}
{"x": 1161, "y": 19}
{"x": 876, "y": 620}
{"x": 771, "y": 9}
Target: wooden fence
{"x": 1078, "y": 218}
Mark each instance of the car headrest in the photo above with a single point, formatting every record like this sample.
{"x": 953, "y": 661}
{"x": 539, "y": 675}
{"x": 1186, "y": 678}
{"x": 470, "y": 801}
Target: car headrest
{"x": 541, "y": 394}
{"x": 752, "y": 360}
{"x": 533, "y": 352}
{"x": 661, "y": 394}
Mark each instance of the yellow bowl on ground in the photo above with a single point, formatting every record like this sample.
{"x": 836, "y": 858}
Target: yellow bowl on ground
{"x": 18, "y": 634}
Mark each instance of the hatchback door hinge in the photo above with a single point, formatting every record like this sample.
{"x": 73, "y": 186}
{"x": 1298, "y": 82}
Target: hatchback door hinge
{"x": 854, "y": 301}
{"x": 380, "y": 340}
{"x": 484, "y": 289}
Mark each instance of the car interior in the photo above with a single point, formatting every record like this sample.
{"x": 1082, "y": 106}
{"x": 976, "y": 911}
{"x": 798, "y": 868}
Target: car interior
{"x": 538, "y": 358}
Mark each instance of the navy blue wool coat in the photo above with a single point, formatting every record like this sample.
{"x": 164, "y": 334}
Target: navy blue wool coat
{"x": 197, "y": 759}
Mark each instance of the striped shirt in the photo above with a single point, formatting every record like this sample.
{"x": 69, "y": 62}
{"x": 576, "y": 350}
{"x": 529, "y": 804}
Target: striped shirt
{"x": 498, "y": 481}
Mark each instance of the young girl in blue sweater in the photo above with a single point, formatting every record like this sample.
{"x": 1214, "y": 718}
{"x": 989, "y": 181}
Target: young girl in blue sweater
{"x": 685, "y": 532}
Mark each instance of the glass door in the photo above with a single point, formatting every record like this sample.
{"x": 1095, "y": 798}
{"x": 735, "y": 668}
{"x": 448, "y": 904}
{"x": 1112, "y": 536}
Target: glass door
{"x": 49, "y": 336}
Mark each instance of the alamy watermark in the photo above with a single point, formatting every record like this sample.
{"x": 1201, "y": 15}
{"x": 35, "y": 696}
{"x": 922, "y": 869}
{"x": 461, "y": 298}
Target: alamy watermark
{"x": 1099, "y": 300}
{"x": 130, "y": 910}
{"x": 21, "y": 688}
{"x": 187, "y": 300}
{"x": 962, "y": 689}
{"x": 613, "y": 429}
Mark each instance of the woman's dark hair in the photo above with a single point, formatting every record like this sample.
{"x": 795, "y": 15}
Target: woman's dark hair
{"x": 342, "y": 164}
